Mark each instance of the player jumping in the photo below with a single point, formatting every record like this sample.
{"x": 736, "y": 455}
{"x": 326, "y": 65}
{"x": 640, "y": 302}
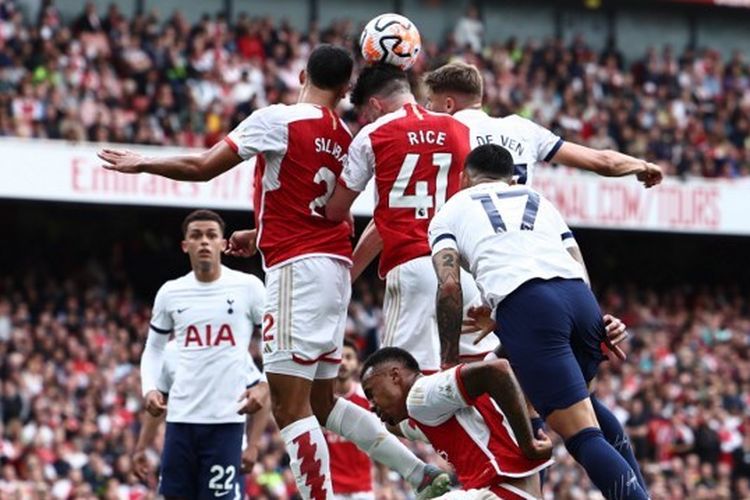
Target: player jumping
{"x": 514, "y": 241}
{"x": 301, "y": 149}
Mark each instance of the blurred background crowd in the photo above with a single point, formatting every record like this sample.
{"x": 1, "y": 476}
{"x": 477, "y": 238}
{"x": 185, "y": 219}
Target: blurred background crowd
{"x": 72, "y": 326}
{"x": 155, "y": 79}
{"x": 70, "y": 351}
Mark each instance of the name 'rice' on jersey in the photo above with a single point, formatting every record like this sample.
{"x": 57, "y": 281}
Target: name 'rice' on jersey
{"x": 212, "y": 324}
{"x": 508, "y": 235}
{"x": 528, "y": 143}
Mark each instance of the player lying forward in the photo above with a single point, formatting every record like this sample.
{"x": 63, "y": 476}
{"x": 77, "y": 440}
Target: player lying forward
{"x": 473, "y": 415}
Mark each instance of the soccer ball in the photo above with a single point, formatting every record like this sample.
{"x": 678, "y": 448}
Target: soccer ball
{"x": 391, "y": 38}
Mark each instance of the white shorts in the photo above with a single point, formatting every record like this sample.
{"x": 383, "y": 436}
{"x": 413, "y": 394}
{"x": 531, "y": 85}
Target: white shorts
{"x": 362, "y": 495}
{"x": 410, "y": 319}
{"x": 305, "y": 317}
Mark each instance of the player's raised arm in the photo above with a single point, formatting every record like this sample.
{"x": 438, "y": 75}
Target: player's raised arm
{"x": 189, "y": 167}
{"x": 608, "y": 163}
{"x": 496, "y": 379}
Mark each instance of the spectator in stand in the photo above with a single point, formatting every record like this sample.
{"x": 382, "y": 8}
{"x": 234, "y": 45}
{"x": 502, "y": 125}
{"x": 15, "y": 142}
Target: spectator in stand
{"x": 162, "y": 81}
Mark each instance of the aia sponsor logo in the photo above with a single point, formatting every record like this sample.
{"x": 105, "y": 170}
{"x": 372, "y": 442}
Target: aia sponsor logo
{"x": 209, "y": 336}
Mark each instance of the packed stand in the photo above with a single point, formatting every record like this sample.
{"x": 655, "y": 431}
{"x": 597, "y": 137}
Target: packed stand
{"x": 151, "y": 80}
{"x": 70, "y": 405}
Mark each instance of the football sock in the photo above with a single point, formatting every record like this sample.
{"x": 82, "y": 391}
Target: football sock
{"x": 308, "y": 458}
{"x": 364, "y": 429}
{"x": 617, "y": 437}
{"x": 605, "y": 466}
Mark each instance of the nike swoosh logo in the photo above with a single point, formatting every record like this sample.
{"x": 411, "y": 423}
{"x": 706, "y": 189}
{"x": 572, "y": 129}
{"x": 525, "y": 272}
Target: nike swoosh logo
{"x": 218, "y": 495}
{"x": 179, "y": 311}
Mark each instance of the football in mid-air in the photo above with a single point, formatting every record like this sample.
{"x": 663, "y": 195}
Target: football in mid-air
{"x": 391, "y": 38}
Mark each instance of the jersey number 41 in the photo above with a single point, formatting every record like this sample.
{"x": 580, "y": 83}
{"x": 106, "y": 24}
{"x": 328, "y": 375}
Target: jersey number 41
{"x": 422, "y": 200}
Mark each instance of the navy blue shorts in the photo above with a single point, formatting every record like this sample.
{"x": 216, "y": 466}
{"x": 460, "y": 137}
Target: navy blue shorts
{"x": 552, "y": 332}
{"x": 202, "y": 461}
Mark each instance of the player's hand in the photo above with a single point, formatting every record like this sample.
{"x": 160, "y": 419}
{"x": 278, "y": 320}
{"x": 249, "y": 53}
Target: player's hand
{"x": 479, "y": 321}
{"x": 616, "y": 332}
{"x": 123, "y": 161}
{"x": 651, "y": 174}
{"x": 242, "y": 243}
{"x": 141, "y": 466}
{"x": 253, "y": 399}
{"x": 540, "y": 447}
{"x": 249, "y": 458}
{"x": 156, "y": 405}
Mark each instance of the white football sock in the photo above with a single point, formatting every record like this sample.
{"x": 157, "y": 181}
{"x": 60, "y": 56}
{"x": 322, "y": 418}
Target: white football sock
{"x": 364, "y": 429}
{"x": 308, "y": 458}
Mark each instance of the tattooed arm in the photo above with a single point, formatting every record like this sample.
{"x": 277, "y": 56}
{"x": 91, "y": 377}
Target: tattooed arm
{"x": 449, "y": 303}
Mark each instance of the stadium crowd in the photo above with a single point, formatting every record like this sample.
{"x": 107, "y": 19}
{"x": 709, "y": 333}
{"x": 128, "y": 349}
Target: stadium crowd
{"x": 70, "y": 402}
{"x": 160, "y": 80}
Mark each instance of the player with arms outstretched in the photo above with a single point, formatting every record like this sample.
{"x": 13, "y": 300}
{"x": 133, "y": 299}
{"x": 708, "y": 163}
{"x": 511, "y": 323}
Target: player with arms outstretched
{"x": 516, "y": 244}
{"x": 474, "y": 415}
{"x": 301, "y": 150}
{"x": 211, "y": 312}
{"x": 416, "y": 157}
{"x": 457, "y": 88}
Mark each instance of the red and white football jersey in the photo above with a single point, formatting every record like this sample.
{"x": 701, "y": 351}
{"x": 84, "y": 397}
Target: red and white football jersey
{"x": 473, "y": 435}
{"x": 416, "y": 157}
{"x": 301, "y": 150}
{"x": 351, "y": 468}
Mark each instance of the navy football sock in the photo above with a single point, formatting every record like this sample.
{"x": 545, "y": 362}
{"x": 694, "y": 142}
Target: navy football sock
{"x": 604, "y": 465}
{"x": 617, "y": 437}
{"x": 536, "y": 424}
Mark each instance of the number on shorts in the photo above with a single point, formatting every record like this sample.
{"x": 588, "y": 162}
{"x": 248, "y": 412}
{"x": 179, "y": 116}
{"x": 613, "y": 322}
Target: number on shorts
{"x": 421, "y": 200}
{"x": 219, "y": 473}
{"x": 496, "y": 220}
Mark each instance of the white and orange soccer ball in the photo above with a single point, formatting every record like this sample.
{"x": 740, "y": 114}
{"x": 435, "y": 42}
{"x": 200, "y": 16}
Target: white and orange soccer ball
{"x": 391, "y": 38}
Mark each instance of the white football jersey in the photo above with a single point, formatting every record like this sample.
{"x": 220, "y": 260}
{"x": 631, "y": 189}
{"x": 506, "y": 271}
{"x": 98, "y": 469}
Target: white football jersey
{"x": 212, "y": 325}
{"x": 528, "y": 143}
{"x": 507, "y": 235}
{"x": 171, "y": 359}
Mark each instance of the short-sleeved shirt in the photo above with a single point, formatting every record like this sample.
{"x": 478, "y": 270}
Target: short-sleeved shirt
{"x": 212, "y": 325}
{"x": 301, "y": 150}
{"x": 507, "y": 235}
{"x": 528, "y": 143}
{"x": 416, "y": 157}
{"x": 472, "y": 434}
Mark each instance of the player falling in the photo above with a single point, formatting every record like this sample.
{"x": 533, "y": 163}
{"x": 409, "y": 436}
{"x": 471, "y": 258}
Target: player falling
{"x": 515, "y": 242}
{"x": 300, "y": 150}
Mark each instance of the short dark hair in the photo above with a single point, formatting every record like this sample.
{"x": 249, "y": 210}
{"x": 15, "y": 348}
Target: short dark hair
{"x": 380, "y": 78}
{"x": 351, "y": 345}
{"x": 329, "y": 67}
{"x": 390, "y": 354}
{"x": 490, "y": 159}
{"x": 455, "y": 77}
{"x": 202, "y": 214}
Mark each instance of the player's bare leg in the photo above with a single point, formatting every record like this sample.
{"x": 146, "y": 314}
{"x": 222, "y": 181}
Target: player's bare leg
{"x": 364, "y": 429}
{"x": 611, "y": 473}
{"x": 308, "y": 453}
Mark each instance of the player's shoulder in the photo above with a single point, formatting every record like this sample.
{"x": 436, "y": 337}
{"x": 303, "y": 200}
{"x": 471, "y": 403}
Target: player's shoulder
{"x": 381, "y": 122}
{"x": 176, "y": 284}
{"x": 518, "y": 122}
{"x": 288, "y": 113}
{"x": 233, "y": 276}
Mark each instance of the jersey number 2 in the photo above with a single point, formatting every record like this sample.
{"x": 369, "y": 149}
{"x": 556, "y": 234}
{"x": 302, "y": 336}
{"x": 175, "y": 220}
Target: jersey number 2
{"x": 498, "y": 225}
{"x": 421, "y": 201}
{"x": 325, "y": 176}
